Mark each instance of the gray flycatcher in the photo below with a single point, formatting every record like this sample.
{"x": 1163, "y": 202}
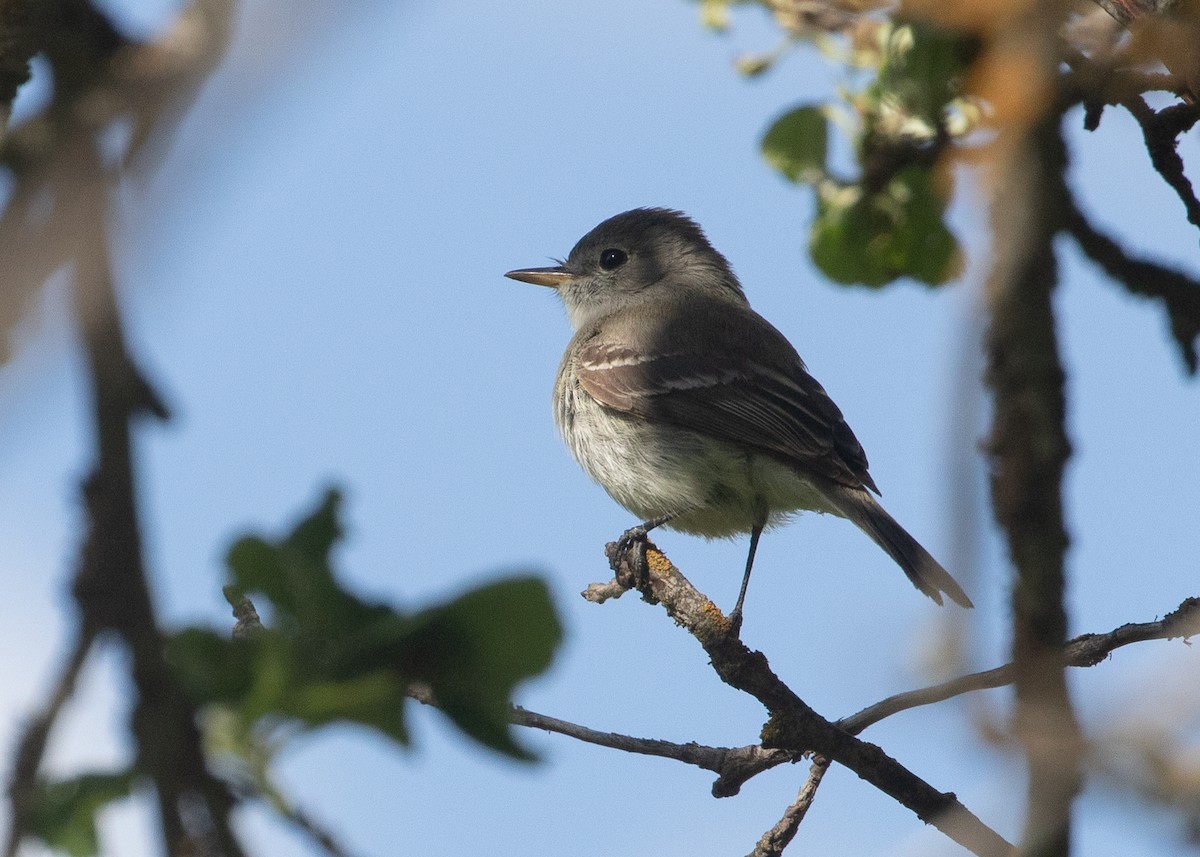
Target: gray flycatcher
{"x": 691, "y": 410}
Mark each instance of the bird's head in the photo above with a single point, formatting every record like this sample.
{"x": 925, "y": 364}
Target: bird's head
{"x": 631, "y": 256}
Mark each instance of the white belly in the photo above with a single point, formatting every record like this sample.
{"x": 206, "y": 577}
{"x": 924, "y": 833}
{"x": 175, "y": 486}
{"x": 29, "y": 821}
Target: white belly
{"x": 710, "y": 487}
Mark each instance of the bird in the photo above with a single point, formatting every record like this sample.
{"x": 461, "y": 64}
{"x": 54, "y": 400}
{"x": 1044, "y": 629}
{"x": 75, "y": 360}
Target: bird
{"x": 691, "y": 410}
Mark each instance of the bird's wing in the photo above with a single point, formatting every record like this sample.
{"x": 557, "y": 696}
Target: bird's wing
{"x": 729, "y": 375}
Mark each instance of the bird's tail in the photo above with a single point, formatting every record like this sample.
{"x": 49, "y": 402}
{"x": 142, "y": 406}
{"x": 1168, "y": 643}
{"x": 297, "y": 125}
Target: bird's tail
{"x": 922, "y": 569}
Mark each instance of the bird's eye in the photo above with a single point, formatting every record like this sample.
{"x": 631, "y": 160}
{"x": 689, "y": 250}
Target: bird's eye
{"x": 613, "y": 258}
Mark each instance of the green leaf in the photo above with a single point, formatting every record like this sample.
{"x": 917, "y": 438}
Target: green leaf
{"x": 63, "y": 812}
{"x": 474, "y": 650}
{"x": 295, "y": 573}
{"x": 325, "y": 655}
{"x": 796, "y": 143}
{"x": 296, "y": 570}
{"x": 212, "y": 668}
{"x": 875, "y": 239}
{"x": 374, "y": 699}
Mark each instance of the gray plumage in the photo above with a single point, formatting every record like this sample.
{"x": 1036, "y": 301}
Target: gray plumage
{"x": 685, "y": 404}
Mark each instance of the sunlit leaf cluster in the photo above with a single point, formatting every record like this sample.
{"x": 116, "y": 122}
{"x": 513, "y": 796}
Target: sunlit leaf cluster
{"x": 887, "y": 222}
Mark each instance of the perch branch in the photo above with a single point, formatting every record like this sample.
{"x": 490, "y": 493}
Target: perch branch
{"x": 792, "y": 725}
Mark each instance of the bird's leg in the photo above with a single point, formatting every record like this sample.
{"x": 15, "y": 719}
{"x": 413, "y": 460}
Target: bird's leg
{"x": 639, "y": 533}
{"x": 735, "y": 617}
{"x": 632, "y": 571}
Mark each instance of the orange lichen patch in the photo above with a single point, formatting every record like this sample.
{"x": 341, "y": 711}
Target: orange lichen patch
{"x": 658, "y": 562}
{"x": 713, "y": 613}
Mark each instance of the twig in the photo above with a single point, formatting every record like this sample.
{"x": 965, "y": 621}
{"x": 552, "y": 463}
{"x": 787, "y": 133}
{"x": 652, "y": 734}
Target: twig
{"x": 31, "y": 746}
{"x": 733, "y": 765}
{"x": 1179, "y": 293}
{"x": 728, "y": 762}
{"x": 793, "y": 726}
{"x": 313, "y": 829}
{"x": 246, "y": 619}
{"x": 736, "y": 765}
{"x": 1161, "y": 130}
{"x": 777, "y": 838}
{"x": 1086, "y": 650}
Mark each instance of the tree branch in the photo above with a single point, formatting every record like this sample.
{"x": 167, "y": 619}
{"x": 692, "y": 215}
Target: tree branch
{"x": 793, "y": 726}
{"x": 1179, "y": 293}
{"x": 733, "y": 765}
{"x": 31, "y": 746}
{"x": 1161, "y": 130}
{"x": 1028, "y": 450}
{"x": 736, "y": 765}
{"x": 111, "y": 587}
{"x": 1086, "y": 650}
{"x": 777, "y": 838}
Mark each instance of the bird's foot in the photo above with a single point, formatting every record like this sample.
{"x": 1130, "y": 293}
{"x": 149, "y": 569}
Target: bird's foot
{"x": 627, "y": 557}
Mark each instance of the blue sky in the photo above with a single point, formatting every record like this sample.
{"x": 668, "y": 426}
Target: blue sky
{"x": 314, "y": 279}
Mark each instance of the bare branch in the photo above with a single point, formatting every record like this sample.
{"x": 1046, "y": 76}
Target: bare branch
{"x": 777, "y": 838}
{"x": 736, "y": 765}
{"x": 1161, "y": 130}
{"x": 1179, "y": 293}
{"x": 311, "y": 828}
{"x": 733, "y": 765}
{"x": 1086, "y": 650}
{"x": 32, "y": 744}
{"x": 111, "y": 586}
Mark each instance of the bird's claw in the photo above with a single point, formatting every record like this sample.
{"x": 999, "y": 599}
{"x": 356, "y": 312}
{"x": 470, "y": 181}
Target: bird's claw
{"x": 627, "y": 557}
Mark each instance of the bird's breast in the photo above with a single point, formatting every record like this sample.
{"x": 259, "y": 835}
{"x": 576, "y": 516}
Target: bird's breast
{"x": 653, "y": 469}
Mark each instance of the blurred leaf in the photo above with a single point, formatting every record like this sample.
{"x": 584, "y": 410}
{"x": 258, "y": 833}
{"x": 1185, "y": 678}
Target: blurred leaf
{"x": 212, "y": 668}
{"x": 373, "y": 699}
{"x": 325, "y": 655}
{"x": 874, "y": 239}
{"x": 474, "y": 650}
{"x": 796, "y": 143}
{"x": 64, "y": 811}
{"x": 714, "y": 14}
{"x": 294, "y": 573}
{"x": 752, "y": 65}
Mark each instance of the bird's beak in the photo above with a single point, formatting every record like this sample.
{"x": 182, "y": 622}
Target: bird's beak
{"x": 552, "y": 277}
